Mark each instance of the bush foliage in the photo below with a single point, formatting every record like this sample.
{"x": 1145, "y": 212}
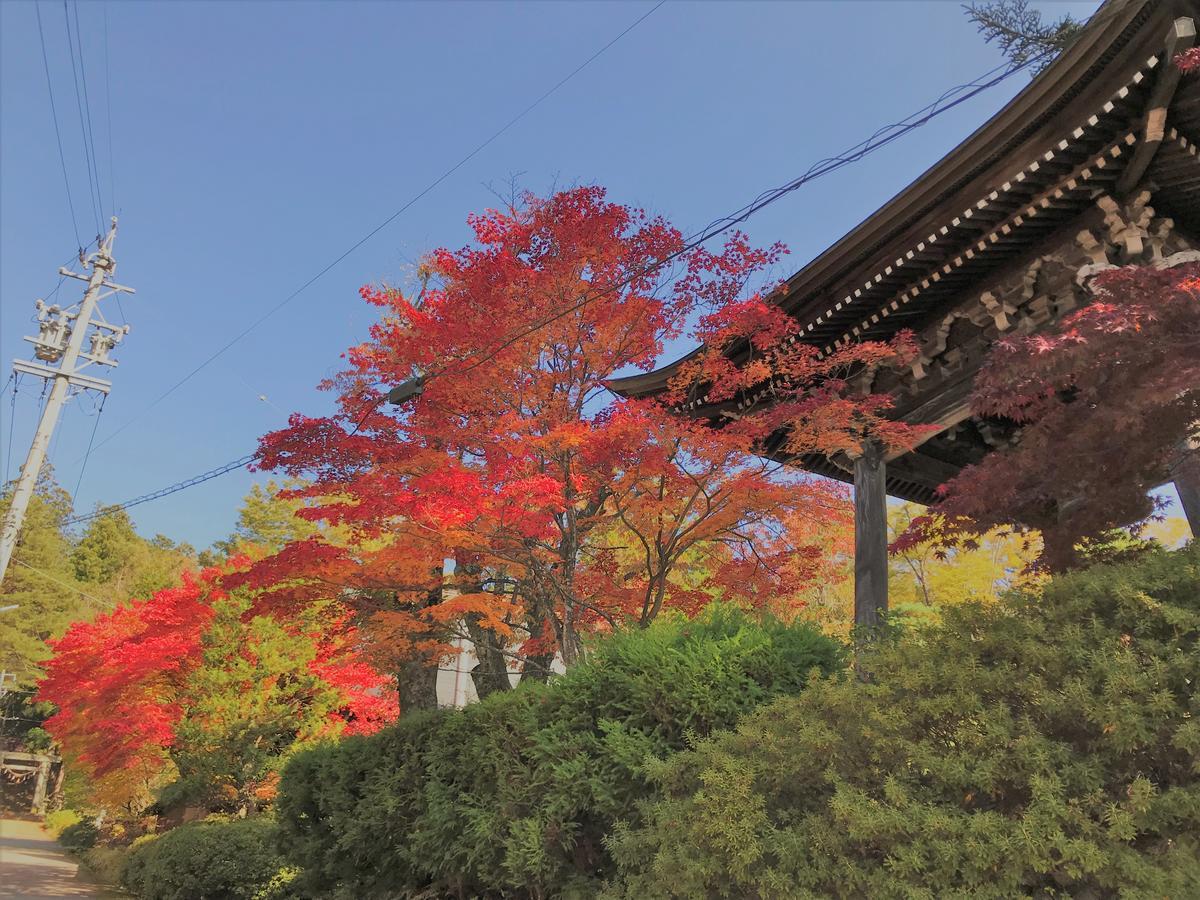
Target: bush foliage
{"x": 59, "y": 820}
{"x": 79, "y": 836}
{"x": 514, "y": 795}
{"x": 216, "y": 860}
{"x": 1036, "y": 747}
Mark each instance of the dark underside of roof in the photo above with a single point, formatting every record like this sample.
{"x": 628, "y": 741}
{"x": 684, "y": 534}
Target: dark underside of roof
{"x": 1017, "y": 185}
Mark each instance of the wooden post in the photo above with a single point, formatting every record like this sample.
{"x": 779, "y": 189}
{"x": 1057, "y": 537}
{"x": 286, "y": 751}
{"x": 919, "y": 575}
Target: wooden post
{"x": 870, "y": 538}
{"x": 38, "y": 807}
{"x": 1187, "y": 485}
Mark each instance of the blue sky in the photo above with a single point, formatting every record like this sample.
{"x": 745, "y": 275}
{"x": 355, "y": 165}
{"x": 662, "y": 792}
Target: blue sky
{"x": 253, "y": 142}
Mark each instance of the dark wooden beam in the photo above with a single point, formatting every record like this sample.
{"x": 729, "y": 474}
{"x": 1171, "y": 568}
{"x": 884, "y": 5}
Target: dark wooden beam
{"x": 922, "y": 469}
{"x": 870, "y": 539}
{"x": 1180, "y": 38}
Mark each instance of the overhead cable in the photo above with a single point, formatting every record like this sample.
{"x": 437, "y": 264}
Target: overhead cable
{"x": 93, "y": 177}
{"x": 164, "y": 492}
{"x": 948, "y": 100}
{"x": 62, "y": 158}
{"x": 378, "y": 228}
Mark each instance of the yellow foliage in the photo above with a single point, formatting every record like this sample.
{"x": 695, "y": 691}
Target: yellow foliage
{"x": 922, "y": 578}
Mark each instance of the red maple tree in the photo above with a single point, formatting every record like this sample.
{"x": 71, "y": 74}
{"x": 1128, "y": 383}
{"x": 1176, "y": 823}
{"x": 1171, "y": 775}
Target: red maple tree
{"x": 563, "y": 509}
{"x": 1104, "y": 402}
{"x": 122, "y": 682}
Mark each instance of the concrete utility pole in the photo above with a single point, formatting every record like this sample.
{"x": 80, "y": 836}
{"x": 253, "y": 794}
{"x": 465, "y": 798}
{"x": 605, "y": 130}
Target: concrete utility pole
{"x": 60, "y": 339}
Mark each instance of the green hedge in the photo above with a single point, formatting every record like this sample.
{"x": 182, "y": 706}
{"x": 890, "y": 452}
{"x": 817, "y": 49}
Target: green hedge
{"x": 213, "y": 860}
{"x": 1038, "y": 747}
{"x": 79, "y": 836}
{"x": 515, "y": 795}
{"x": 61, "y": 819}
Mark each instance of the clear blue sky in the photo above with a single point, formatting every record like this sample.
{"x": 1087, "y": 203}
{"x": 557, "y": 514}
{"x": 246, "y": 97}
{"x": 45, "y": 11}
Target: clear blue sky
{"x": 253, "y": 142}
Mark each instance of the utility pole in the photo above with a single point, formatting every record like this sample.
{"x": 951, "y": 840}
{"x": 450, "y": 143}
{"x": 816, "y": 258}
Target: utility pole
{"x": 60, "y": 339}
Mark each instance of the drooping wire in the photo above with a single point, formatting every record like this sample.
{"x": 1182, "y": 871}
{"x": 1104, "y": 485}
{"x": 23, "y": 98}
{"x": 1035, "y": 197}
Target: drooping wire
{"x": 883, "y": 136}
{"x": 62, "y": 158}
{"x": 947, "y": 101}
{"x": 60, "y": 583}
{"x": 378, "y": 228}
{"x": 88, "y": 453}
{"x": 62, "y": 278}
{"x": 175, "y": 488}
{"x": 93, "y": 179}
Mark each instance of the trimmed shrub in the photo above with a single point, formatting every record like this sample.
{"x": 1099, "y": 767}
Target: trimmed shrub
{"x": 514, "y": 795}
{"x": 79, "y": 836}
{"x": 216, "y": 860}
{"x": 1037, "y": 747}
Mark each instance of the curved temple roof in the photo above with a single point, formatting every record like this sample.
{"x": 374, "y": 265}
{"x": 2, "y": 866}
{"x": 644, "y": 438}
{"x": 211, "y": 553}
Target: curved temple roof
{"x": 1109, "y": 114}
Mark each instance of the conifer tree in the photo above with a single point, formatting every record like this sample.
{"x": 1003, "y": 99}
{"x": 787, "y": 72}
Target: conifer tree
{"x": 40, "y": 583}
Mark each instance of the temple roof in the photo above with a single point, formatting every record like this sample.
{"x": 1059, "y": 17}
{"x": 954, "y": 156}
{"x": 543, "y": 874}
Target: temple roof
{"x": 1089, "y": 125}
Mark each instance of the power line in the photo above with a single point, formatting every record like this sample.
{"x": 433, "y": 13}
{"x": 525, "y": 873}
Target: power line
{"x": 62, "y": 158}
{"x": 112, "y": 165}
{"x": 378, "y": 228}
{"x": 88, "y": 453}
{"x": 93, "y": 176}
{"x": 947, "y": 101}
{"x": 87, "y": 105}
{"x": 61, "y": 583}
{"x": 882, "y": 137}
{"x": 175, "y": 488}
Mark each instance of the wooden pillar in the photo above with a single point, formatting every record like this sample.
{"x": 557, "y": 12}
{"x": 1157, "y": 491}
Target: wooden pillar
{"x": 870, "y": 538}
{"x": 1187, "y": 485}
{"x": 38, "y": 807}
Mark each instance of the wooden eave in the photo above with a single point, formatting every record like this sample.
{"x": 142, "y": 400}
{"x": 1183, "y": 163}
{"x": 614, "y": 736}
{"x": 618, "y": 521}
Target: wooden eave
{"x": 1028, "y": 173}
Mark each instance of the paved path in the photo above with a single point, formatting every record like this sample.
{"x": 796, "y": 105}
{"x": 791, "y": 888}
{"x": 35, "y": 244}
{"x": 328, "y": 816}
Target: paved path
{"x": 34, "y": 867}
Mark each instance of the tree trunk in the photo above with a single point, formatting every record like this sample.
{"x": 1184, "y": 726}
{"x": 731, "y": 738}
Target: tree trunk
{"x": 418, "y": 686}
{"x": 490, "y": 674}
{"x": 537, "y": 668}
{"x": 417, "y": 678}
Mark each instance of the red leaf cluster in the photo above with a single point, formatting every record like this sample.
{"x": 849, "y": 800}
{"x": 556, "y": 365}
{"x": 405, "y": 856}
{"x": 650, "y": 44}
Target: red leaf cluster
{"x": 121, "y": 681}
{"x": 1104, "y": 402}
{"x": 563, "y": 510}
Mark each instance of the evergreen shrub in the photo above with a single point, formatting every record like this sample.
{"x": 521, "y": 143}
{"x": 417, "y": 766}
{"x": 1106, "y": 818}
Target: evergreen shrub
{"x": 514, "y": 795}
{"x": 218, "y": 860}
{"x": 79, "y": 836}
{"x": 1039, "y": 747}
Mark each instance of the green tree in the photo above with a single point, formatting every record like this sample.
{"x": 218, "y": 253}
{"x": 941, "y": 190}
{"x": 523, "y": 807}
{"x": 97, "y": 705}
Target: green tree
{"x": 267, "y": 521}
{"x": 1020, "y": 33}
{"x": 254, "y": 699}
{"x": 113, "y": 556}
{"x": 40, "y": 582}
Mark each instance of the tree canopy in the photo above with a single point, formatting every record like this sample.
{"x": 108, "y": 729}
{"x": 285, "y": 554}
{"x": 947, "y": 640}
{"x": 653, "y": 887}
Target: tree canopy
{"x": 564, "y": 511}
